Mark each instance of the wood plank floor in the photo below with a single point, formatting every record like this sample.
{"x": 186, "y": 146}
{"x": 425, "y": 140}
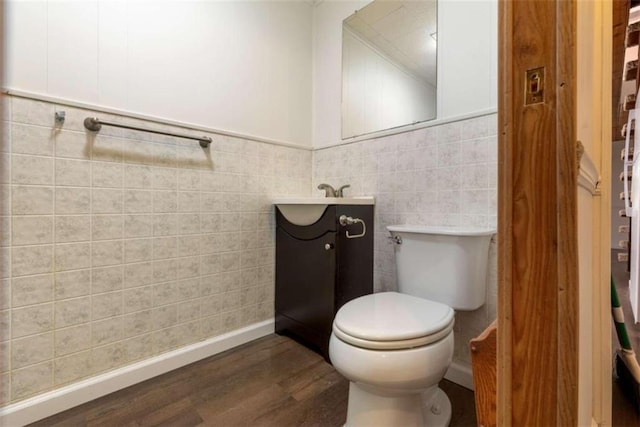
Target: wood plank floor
{"x": 273, "y": 381}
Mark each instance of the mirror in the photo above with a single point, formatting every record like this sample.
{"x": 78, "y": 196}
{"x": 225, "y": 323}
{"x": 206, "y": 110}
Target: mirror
{"x": 389, "y": 66}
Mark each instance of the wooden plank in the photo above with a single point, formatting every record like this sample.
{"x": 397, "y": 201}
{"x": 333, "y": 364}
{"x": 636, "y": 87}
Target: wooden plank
{"x": 537, "y": 381}
{"x": 505, "y": 213}
{"x": 567, "y": 214}
{"x": 483, "y": 361}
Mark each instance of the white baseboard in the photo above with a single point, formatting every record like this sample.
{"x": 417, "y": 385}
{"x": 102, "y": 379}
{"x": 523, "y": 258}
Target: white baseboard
{"x": 53, "y": 402}
{"x": 460, "y": 373}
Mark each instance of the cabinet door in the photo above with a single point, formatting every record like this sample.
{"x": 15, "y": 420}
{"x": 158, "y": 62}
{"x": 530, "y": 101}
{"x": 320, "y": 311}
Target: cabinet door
{"x": 305, "y": 280}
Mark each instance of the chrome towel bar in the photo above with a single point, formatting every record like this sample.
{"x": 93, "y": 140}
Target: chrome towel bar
{"x": 95, "y": 124}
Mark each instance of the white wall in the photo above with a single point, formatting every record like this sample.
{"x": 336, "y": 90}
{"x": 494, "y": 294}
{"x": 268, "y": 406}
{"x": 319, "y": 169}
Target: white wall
{"x": 239, "y": 66}
{"x": 378, "y": 93}
{"x": 467, "y": 62}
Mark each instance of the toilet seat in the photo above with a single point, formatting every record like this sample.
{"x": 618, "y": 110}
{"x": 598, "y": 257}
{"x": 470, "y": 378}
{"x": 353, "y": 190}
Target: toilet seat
{"x": 392, "y": 321}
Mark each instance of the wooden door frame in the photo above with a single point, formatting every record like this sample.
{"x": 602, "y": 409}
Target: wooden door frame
{"x": 537, "y": 217}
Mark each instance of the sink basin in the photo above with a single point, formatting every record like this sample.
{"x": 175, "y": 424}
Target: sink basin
{"x": 308, "y": 210}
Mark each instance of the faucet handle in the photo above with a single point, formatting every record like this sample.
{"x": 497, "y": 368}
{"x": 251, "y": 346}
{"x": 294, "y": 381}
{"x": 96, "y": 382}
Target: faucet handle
{"x": 328, "y": 190}
{"x": 339, "y": 191}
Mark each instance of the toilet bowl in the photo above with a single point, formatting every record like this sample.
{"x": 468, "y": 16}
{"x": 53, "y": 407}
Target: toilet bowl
{"x": 395, "y": 360}
{"x": 395, "y": 347}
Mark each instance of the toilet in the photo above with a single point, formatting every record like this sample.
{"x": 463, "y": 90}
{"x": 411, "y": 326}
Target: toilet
{"x": 395, "y": 347}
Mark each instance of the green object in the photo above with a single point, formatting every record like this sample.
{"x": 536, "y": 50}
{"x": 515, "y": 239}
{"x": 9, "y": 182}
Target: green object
{"x": 618, "y": 318}
{"x": 626, "y": 365}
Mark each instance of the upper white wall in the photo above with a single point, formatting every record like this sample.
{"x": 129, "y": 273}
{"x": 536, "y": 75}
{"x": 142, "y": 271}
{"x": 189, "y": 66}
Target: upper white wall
{"x": 239, "y": 66}
{"x": 467, "y": 62}
{"x": 377, "y": 92}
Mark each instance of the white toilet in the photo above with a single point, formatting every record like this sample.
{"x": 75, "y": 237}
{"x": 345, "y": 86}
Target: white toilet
{"x": 394, "y": 348}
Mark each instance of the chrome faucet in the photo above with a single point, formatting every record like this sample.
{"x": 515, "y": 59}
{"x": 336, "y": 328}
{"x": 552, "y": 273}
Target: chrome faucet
{"x": 328, "y": 190}
{"x": 339, "y": 191}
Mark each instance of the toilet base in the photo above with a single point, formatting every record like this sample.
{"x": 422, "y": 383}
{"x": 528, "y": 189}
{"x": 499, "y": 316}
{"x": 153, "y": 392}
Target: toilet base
{"x": 437, "y": 410}
{"x": 372, "y": 407}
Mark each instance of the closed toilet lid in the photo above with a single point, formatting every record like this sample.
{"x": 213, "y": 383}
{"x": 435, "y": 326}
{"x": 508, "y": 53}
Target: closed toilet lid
{"x": 390, "y": 320}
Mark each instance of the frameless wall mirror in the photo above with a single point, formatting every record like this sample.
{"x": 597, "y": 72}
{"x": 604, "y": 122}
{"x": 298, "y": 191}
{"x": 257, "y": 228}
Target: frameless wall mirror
{"x": 389, "y": 66}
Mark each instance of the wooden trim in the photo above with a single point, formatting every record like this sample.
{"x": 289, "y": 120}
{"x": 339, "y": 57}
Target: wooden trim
{"x": 602, "y": 381}
{"x": 588, "y": 175}
{"x": 505, "y": 214}
{"x": 537, "y": 250}
{"x": 567, "y": 214}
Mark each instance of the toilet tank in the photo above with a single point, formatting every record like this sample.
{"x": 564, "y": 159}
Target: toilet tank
{"x": 446, "y": 265}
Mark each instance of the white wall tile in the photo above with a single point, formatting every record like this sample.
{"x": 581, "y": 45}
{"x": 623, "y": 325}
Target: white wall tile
{"x": 138, "y": 201}
{"x": 72, "y": 256}
{"x": 35, "y": 140}
{"x": 29, "y": 290}
{"x": 106, "y": 305}
{"x": 73, "y": 339}
{"x": 72, "y": 312}
{"x": 106, "y": 227}
{"x": 71, "y": 284}
{"x": 74, "y": 145}
{"x": 107, "y": 253}
{"x": 31, "y": 380}
{"x": 28, "y": 111}
{"x": 107, "y": 149}
{"x": 72, "y": 228}
{"x": 27, "y": 260}
{"x": 32, "y": 230}
{"x": 31, "y": 170}
{"x": 137, "y": 323}
{"x": 137, "y": 250}
{"x": 30, "y": 320}
{"x": 107, "y": 331}
{"x": 111, "y": 238}
{"x": 139, "y": 347}
{"x": 30, "y": 350}
{"x": 165, "y": 201}
{"x": 73, "y": 200}
{"x": 73, "y": 173}
{"x": 105, "y": 201}
{"x": 105, "y": 174}
{"x": 138, "y": 225}
{"x": 72, "y": 368}
{"x": 106, "y": 279}
{"x": 32, "y": 200}
{"x": 108, "y": 357}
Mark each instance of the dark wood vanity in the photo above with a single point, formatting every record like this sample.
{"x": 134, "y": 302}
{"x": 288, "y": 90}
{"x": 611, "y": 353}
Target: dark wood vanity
{"x": 318, "y": 269}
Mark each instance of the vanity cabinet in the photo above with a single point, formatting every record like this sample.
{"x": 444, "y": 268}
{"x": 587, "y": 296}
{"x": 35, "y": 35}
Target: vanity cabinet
{"x": 318, "y": 269}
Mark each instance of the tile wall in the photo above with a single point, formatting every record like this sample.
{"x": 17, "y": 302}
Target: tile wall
{"x": 121, "y": 246}
{"x": 124, "y": 245}
{"x": 442, "y": 176}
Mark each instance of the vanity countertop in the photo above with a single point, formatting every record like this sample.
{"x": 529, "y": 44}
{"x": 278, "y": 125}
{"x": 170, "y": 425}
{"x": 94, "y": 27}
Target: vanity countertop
{"x": 367, "y": 200}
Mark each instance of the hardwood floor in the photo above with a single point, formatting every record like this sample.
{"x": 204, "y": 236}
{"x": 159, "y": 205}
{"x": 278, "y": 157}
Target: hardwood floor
{"x": 273, "y": 381}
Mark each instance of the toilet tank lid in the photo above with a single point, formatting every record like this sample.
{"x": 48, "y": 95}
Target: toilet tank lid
{"x": 446, "y": 231}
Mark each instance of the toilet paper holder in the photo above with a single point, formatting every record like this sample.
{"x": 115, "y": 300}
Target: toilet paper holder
{"x": 347, "y": 220}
